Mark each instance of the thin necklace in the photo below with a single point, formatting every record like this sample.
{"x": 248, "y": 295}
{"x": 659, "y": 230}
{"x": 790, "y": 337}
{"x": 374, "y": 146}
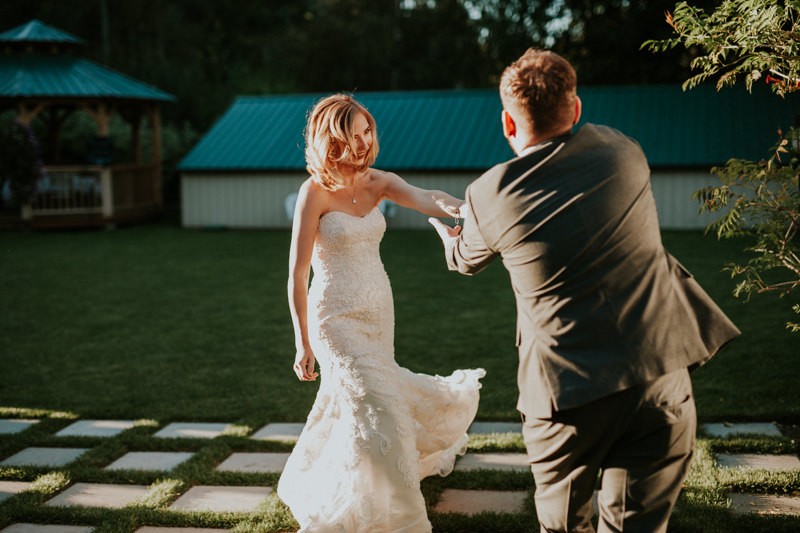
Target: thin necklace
{"x": 355, "y": 183}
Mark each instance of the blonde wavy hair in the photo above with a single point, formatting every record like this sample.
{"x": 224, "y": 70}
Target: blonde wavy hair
{"x": 330, "y": 140}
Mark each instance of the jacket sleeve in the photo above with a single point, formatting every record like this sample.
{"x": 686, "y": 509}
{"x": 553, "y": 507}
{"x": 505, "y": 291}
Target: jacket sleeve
{"x": 468, "y": 253}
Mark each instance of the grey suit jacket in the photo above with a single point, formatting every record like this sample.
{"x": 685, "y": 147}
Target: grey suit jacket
{"x": 601, "y": 305}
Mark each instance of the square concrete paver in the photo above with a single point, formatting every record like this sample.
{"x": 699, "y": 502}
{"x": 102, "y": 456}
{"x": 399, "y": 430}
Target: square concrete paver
{"x": 15, "y": 425}
{"x": 98, "y": 495}
{"x": 10, "y": 488}
{"x": 764, "y": 504}
{"x": 150, "y": 529}
{"x": 493, "y": 461}
{"x": 149, "y": 461}
{"x": 282, "y": 432}
{"x": 192, "y": 430}
{"x": 724, "y": 430}
{"x": 44, "y": 528}
{"x": 484, "y": 428}
{"x": 222, "y": 499}
{"x": 44, "y": 457}
{"x": 753, "y": 461}
{"x": 95, "y": 428}
{"x": 472, "y": 502}
{"x": 262, "y": 463}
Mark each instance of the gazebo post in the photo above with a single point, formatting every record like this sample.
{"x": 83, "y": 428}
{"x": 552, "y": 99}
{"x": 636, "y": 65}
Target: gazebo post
{"x": 155, "y": 123}
{"x": 26, "y": 113}
{"x": 101, "y": 114}
{"x": 136, "y": 141}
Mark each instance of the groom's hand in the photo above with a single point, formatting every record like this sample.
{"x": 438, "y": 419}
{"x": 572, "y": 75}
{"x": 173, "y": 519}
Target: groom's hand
{"x": 444, "y": 231}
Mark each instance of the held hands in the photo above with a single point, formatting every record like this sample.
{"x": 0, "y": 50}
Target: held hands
{"x": 452, "y": 209}
{"x": 457, "y": 210}
{"x": 304, "y": 363}
{"x": 445, "y": 232}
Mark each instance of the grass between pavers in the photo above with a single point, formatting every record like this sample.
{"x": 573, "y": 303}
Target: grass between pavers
{"x": 702, "y": 507}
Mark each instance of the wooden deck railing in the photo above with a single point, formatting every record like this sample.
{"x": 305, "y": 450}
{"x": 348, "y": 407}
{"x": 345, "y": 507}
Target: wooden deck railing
{"x": 79, "y": 190}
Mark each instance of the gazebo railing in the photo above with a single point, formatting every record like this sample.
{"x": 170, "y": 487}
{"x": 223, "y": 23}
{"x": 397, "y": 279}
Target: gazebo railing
{"x": 69, "y": 191}
{"x": 81, "y": 190}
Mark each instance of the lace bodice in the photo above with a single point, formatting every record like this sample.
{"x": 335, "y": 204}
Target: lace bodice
{"x": 348, "y": 244}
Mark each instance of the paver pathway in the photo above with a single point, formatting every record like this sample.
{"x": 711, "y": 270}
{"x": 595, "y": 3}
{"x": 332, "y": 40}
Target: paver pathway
{"x": 246, "y": 499}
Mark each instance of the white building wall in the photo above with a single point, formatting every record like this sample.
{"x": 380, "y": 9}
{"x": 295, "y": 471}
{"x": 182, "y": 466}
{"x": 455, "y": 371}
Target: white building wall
{"x": 673, "y": 193}
{"x": 258, "y": 200}
{"x": 237, "y": 200}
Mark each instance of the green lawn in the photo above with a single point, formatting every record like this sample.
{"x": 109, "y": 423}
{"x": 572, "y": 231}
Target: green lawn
{"x": 161, "y": 324}
{"x": 171, "y": 324}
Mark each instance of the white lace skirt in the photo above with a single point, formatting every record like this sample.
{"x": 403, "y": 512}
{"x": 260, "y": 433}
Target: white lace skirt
{"x": 367, "y": 443}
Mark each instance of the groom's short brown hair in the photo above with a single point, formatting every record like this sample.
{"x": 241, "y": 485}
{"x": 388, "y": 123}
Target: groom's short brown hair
{"x": 541, "y": 85}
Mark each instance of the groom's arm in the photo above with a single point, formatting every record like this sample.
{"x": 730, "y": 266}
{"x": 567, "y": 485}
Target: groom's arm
{"x": 467, "y": 251}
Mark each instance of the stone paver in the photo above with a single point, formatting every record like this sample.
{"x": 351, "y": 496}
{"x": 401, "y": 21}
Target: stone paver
{"x": 10, "y": 488}
{"x": 54, "y": 457}
{"x": 15, "y": 425}
{"x": 98, "y": 495}
{"x": 282, "y": 432}
{"x": 222, "y": 499}
{"x": 753, "y": 461}
{"x": 764, "y": 504}
{"x": 95, "y": 428}
{"x": 472, "y": 502}
{"x": 261, "y": 463}
{"x": 724, "y": 430}
{"x": 494, "y": 461}
{"x": 149, "y": 529}
{"x": 43, "y": 528}
{"x": 484, "y": 428}
{"x": 149, "y": 461}
{"x": 192, "y": 430}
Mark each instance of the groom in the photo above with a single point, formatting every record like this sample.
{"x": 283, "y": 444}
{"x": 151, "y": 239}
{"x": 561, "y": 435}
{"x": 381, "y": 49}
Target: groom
{"x": 608, "y": 323}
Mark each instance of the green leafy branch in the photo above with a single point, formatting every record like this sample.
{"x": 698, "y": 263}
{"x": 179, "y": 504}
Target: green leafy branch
{"x": 749, "y": 38}
{"x": 761, "y": 198}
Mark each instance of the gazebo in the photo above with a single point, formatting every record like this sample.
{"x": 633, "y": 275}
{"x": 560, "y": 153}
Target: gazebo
{"x": 43, "y": 78}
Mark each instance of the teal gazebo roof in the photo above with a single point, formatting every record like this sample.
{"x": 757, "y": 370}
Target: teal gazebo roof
{"x": 28, "y": 76}
{"x": 460, "y": 129}
{"x": 35, "y": 31}
{"x": 32, "y": 74}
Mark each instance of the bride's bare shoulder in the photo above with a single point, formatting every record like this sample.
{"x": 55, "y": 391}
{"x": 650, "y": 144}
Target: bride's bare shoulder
{"x": 382, "y": 177}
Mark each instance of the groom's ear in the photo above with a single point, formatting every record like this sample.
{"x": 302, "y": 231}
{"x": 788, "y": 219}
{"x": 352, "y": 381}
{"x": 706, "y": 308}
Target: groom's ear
{"x": 509, "y": 126}
{"x": 578, "y": 109}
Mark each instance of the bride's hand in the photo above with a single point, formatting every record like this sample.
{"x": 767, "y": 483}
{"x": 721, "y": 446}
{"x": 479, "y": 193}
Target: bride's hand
{"x": 304, "y": 363}
{"x": 452, "y": 209}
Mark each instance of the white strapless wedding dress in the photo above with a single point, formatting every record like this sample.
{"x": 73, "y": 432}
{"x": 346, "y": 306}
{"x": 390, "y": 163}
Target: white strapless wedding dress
{"x": 376, "y": 428}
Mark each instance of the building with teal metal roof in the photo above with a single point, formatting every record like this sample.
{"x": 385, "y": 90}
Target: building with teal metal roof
{"x": 461, "y": 129}
{"x": 243, "y": 170}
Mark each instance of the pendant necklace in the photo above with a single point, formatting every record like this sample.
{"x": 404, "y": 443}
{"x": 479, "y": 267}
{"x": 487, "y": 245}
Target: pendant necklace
{"x": 355, "y": 182}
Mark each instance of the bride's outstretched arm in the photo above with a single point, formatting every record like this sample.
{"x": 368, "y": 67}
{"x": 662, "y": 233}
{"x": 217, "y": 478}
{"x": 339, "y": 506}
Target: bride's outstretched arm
{"x": 304, "y": 231}
{"x": 431, "y": 202}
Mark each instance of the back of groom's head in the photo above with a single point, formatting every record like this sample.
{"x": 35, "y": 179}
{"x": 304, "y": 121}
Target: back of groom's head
{"x": 540, "y": 88}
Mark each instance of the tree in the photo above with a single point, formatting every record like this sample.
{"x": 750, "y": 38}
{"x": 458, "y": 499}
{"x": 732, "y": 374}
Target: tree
{"x": 600, "y": 38}
{"x": 759, "y": 41}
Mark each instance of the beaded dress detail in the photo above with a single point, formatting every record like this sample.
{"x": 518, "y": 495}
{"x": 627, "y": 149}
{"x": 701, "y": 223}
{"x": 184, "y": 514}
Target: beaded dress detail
{"x": 375, "y": 429}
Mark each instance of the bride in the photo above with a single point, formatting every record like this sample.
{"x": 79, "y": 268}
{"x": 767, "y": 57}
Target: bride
{"x": 375, "y": 428}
